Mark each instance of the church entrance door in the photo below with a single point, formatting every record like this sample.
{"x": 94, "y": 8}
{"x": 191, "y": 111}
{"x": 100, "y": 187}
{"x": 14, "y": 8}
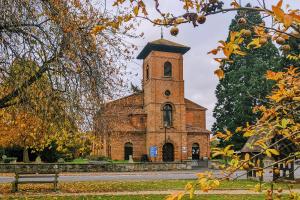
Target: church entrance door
{"x": 168, "y": 152}
{"x": 128, "y": 150}
{"x": 195, "y": 151}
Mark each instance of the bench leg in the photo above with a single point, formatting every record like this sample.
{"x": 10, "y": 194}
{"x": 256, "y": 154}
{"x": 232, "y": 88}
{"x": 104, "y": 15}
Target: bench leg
{"x": 14, "y": 187}
{"x": 55, "y": 186}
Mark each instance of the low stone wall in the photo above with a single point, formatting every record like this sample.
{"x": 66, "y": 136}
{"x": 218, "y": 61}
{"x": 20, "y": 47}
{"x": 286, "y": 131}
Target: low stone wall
{"x": 107, "y": 167}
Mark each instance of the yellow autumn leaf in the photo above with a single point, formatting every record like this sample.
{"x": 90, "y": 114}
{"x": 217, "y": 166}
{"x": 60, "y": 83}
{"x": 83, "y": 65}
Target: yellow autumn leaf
{"x": 192, "y": 192}
{"x": 296, "y": 98}
{"x": 216, "y": 183}
{"x": 247, "y": 157}
{"x": 136, "y": 10}
{"x": 241, "y": 53}
{"x": 248, "y": 133}
{"x": 238, "y": 129}
{"x": 217, "y": 154}
{"x": 254, "y": 44}
{"x": 270, "y": 152}
{"x": 259, "y": 173}
{"x": 188, "y": 186}
{"x": 257, "y": 188}
{"x": 284, "y": 122}
{"x": 228, "y": 147}
{"x": 200, "y": 175}
{"x": 97, "y": 29}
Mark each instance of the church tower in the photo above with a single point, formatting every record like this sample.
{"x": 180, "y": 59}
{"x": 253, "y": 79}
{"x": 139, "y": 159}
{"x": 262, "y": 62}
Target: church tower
{"x": 164, "y": 101}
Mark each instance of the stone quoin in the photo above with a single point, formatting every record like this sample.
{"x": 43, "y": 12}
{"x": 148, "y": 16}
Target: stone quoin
{"x": 156, "y": 121}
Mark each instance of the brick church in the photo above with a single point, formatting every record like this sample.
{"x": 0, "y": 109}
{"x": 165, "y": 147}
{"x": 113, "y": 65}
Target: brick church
{"x": 157, "y": 123}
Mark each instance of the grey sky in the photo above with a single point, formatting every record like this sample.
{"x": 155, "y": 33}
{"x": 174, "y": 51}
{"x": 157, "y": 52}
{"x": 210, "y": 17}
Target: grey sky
{"x": 200, "y": 82}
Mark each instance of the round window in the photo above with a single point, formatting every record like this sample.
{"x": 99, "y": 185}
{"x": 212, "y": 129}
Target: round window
{"x": 167, "y": 93}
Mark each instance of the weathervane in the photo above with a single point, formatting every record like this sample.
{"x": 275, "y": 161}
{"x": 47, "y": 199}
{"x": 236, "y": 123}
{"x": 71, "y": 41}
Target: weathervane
{"x": 161, "y": 32}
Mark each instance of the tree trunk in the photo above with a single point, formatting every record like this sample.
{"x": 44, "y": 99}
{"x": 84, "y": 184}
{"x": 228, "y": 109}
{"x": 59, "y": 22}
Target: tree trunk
{"x": 25, "y": 155}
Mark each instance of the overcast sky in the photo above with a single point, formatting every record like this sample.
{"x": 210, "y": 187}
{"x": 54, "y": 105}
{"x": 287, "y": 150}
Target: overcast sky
{"x": 200, "y": 81}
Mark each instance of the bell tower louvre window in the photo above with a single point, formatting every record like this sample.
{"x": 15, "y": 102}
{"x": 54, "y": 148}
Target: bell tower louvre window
{"x": 147, "y": 72}
{"x": 167, "y": 69}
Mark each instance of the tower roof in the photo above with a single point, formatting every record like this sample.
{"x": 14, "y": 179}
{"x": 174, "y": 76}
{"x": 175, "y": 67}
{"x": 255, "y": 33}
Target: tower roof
{"x": 162, "y": 45}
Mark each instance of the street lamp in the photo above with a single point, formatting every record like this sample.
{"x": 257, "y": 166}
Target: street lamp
{"x": 164, "y": 146}
{"x": 166, "y": 126}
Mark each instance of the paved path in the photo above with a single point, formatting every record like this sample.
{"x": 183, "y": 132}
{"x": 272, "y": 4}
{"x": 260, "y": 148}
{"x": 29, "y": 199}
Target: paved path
{"x": 136, "y": 176}
{"x": 129, "y": 176}
{"x": 166, "y": 192}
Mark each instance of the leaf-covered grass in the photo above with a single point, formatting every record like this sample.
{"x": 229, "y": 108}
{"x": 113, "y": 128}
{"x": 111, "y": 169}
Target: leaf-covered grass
{"x": 152, "y": 197}
{"x": 115, "y": 186}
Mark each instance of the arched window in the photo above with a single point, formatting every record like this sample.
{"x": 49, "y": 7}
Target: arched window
{"x": 128, "y": 150}
{"x": 195, "y": 151}
{"x": 168, "y": 69}
{"x": 167, "y": 115}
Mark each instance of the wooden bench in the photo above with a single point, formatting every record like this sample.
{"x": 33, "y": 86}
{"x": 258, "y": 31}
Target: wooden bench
{"x": 34, "y": 178}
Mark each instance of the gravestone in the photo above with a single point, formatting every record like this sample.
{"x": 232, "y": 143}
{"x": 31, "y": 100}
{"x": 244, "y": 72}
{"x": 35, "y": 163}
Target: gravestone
{"x": 38, "y": 159}
{"x": 130, "y": 159}
{"x": 60, "y": 160}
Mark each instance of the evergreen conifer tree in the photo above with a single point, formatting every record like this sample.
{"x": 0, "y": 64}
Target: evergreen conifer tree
{"x": 244, "y": 85}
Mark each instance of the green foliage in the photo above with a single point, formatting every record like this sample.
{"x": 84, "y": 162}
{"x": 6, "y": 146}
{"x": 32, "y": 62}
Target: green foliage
{"x": 244, "y": 85}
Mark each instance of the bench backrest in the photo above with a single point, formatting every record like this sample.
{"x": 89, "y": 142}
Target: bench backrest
{"x": 20, "y": 173}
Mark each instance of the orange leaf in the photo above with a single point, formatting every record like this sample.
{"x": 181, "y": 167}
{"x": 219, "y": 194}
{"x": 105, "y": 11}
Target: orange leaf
{"x": 214, "y": 52}
{"x": 278, "y": 12}
{"x": 235, "y": 4}
{"x": 295, "y": 17}
{"x": 219, "y": 73}
{"x": 279, "y": 4}
{"x": 221, "y": 60}
{"x": 287, "y": 21}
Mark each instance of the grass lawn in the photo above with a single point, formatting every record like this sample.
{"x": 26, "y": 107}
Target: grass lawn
{"x": 153, "y": 197}
{"x": 119, "y": 161}
{"x": 114, "y": 186}
{"x": 85, "y": 161}
{"x": 249, "y": 184}
{"x": 79, "y": 161}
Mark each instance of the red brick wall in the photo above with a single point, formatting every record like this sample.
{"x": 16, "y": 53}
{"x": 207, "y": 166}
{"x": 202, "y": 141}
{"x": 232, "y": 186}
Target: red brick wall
{"x": 196, "y": 118}
{"x": 202, "y": 140}
{"x": 119, "y": 140}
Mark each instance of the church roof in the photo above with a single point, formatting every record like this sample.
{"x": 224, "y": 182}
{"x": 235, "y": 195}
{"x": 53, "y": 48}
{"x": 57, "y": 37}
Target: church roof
{"x": 162, "y": 45}
{"x": 249, "y": 146}
{"x": 192, "y": 105}
{"x": 194, "y": 129}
